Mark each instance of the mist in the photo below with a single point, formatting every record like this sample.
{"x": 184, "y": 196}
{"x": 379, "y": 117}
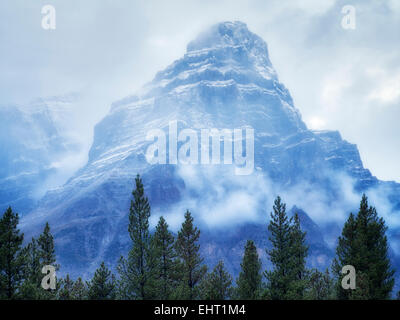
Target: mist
{"x": 218, "y": 200}
{"x": 345, "y": 80}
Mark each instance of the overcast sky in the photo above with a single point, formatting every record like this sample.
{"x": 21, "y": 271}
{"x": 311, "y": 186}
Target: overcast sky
{"x": 346, "y": 80}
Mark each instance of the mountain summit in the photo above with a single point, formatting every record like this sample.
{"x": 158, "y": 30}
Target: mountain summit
{"x": 227, "y": 34}
{"x": 225, "y": 80}
{"x": 233, "y": 43}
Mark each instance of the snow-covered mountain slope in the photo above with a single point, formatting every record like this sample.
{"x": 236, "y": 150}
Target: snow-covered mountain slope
{"x": 32, "y": 140}
{"x": 225, "y": 80}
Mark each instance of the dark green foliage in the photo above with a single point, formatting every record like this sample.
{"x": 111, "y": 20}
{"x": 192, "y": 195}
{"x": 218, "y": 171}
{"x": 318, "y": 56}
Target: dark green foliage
{"x": 79, "y": 290}
{"x": 166, "y": 271}
{"x": 363, "y": 244}
{"x": 137, "y": 270}
{"x": 298, "y": 252}
{"x": 217, "y": 285}
{"x": 37, "y": 254}
{"x": 66, "y": 287}
{"x": 362, "y": 291}
{"x": 250, "y": 279}
{"x": 320, "y": 286}
{"x": 102, "y": 286}
{"x": 47, "y": 256}
{"x": 11, "y": 260}
{"x": 30, "y": 288}
{"x": 20, "y": 268}
{"x": 279, "y": 227}
{"x": 47, "y": 253}
{"x": 187, "y": 248}
{"x": 345, "y": 254}
{"x": 288, "y": 254}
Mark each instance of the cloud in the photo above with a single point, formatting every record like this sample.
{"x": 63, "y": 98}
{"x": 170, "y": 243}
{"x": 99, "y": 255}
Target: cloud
{"x": 111, "y": 48}
{"x": 217, "y": 197}
{"x": 388, "y": 91}
{"x": 316, "y": 123}
{"x": 218, "y": 200}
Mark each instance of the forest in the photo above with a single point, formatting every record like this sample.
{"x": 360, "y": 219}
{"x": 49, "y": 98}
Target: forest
{"x": 163, "y": 266}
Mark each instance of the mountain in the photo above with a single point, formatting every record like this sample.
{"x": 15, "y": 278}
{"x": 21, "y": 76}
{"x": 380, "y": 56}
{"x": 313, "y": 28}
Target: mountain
{"x": 32, "y": 140}
{"x": 225, "y": 80}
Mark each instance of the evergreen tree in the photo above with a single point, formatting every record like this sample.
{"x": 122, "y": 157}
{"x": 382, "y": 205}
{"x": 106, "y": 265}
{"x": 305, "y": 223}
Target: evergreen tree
{"x": 288, "y": 255}
{"x": 250, "y": 279}
{"x": 36, "y": 255}
{"x": 79, "y": 290}
{"x": 345, "y": 255}
{"x": 187, "y": 248}
{"x": 279, "y": 279}
{"x": 11, "y": 260}
{"x": 298, "y": 252}
{"x": 30, "y": 288}
{"x": 137, "y": 270}
{"x": 47, "y": 251}
{"x": 319, "y": 286}
{"x": 361, "y": 292}
{"x": 47, "y": 256}
{"x": 102, "y": 286}
{"x": 65, "y": 292}
{"x": 166, "y": 264}
{"x": 372, "y": 255}
{"x": 217, "y": 285}
{"x": 363, "y": 244}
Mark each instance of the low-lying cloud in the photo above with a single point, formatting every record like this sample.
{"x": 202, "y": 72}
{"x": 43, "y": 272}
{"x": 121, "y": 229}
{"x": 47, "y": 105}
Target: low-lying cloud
{"x": 219, "y": 199}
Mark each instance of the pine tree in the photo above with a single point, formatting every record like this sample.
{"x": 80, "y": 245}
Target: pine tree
{"x": 46, "y": 248}
{"x": 217, "y": 285}
{"x": 30, "y": 288}
{"x": 102, "y": 286}
{"x": 187, "y": 248}
{"x": 372, "y": 255}
{"x": 79, "y": 290}
{"x": 65, "y": 292}
{"x": 319, "y": 286}
{"x": 166, "y": 264}
{"x": 298, "y": 253}
{"x": 363, "y": 245}
{"x": 250, "y": 279}
{"x": 362, "y": 291}
{"x": 47, "y": 256}
{"x": 136, "y": 271}
{"x": 280, "y": 277}
{"x": 11, "y": 260}
{"x": 345, "y": 255}
{"x": 37, "y": 254}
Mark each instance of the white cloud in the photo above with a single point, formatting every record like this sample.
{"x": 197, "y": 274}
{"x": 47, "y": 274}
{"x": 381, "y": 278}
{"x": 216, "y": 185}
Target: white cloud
{"x": 228, "y": 200}
{"x": 316, "y": 123}
{"x": 387, "y": 92}
{"x": 113, "y": 48}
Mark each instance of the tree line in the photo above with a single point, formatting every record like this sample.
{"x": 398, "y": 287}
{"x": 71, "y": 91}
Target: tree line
{"x": 163, "y": 266}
